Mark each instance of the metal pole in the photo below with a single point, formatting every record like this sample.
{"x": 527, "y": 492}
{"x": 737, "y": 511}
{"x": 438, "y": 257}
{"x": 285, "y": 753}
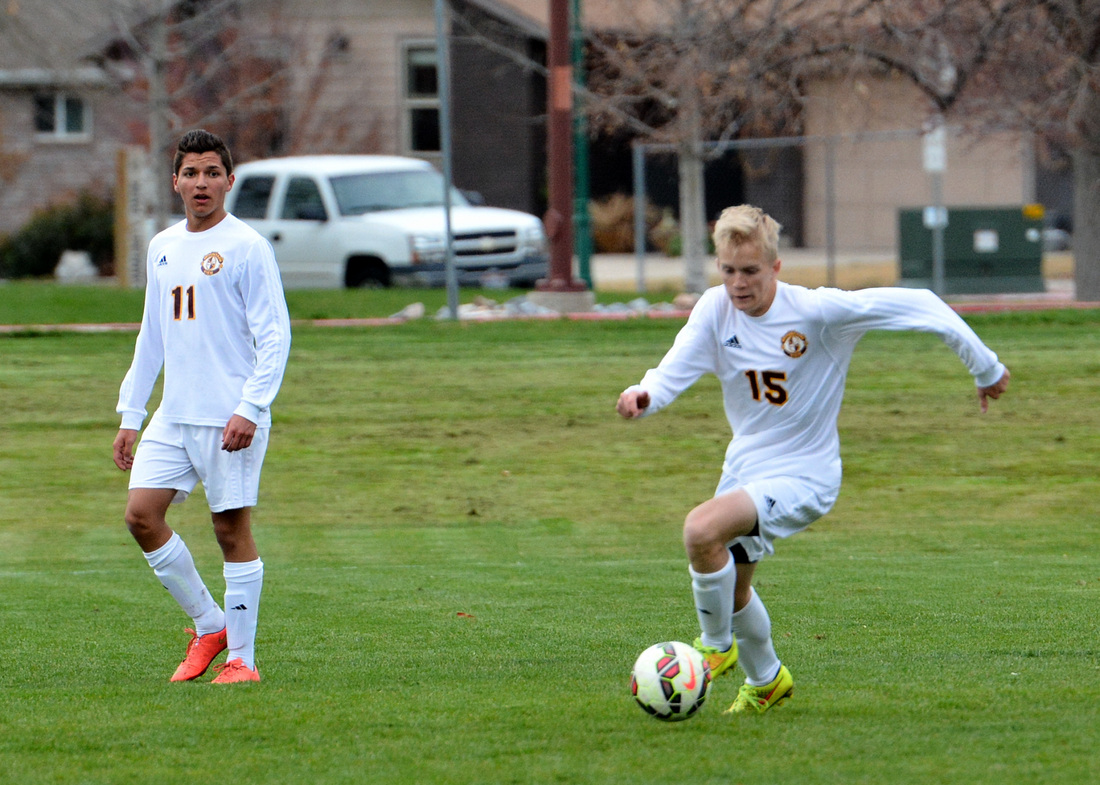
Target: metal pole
{"x": 637, "y": 153}
{"x": 582, "y": 236}
{"x": 559, "y": 218}
{"x": 938, "y": 278}
{"x": 935, "y": 163}
{"x": 443, "y": 71}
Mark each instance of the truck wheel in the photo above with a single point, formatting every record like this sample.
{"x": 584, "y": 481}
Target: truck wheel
{"x": 367, "y": 273}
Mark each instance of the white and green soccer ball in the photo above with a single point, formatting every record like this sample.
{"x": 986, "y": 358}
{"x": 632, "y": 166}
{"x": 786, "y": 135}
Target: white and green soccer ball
{"x": 670, "y": 681}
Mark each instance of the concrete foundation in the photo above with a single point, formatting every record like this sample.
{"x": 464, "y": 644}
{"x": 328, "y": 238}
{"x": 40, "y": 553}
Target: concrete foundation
{"x": 563, "y": 302}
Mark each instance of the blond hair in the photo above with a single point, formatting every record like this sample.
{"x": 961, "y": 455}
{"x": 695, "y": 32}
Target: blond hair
{"x": 747, "y": 224}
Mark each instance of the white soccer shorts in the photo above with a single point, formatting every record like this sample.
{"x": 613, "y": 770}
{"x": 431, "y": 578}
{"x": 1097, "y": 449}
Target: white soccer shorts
{"x": 174, "y": 455}
{"x": 784, "y": 506}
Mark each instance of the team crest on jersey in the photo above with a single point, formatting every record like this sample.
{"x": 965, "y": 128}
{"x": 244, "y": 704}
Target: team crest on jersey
{"x": 794, "y": 344}
{"x": 212, "y": 263}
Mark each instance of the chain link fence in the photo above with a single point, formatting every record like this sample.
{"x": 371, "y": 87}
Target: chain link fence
{"x": 839, "y": 197}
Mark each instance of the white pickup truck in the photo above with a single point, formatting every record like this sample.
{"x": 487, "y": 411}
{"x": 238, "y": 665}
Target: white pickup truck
{"x": 369, "y": 220}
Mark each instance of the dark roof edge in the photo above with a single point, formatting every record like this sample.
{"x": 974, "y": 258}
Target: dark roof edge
{"x": 88, "y": 76}
{"x": 506, "y": 13}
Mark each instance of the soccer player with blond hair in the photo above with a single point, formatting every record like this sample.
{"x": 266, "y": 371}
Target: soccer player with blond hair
{"x": 781, "y": 353}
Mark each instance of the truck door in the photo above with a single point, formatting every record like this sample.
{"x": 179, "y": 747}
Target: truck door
{"x": 304, "y": 237}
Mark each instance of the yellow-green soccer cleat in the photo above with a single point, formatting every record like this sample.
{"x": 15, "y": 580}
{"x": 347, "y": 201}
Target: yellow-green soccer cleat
{"x": 719, "y": 661}
{"x": 760, "y": 699}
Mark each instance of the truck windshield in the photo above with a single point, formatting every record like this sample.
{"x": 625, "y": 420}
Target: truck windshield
{"x": 366, "y": 193}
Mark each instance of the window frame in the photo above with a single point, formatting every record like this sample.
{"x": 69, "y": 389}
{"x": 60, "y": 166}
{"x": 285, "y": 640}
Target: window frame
{"x": 411, "y": 102}
{"x": 61, "y": 114}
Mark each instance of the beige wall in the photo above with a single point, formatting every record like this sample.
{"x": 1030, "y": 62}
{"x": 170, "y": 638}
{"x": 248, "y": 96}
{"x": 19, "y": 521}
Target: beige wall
{"x": 350, "y": 102}
{"x": 874, "y": 177}
{"x": 609, "y": 14}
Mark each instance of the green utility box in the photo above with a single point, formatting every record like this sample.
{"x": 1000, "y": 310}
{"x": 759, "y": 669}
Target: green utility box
{"x": 986, "y": 249}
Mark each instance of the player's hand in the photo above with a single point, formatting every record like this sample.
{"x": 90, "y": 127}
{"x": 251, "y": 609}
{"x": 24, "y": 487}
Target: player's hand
{"x": 632, "y": 403}
{"x": 238, "y": 433}
{"x": 993, "y": 391}
{"x": 124, "y": 448}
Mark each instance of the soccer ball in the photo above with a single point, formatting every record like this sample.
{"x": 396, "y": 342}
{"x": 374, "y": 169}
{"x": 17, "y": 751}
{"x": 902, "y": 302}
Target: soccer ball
{"x": 670, "y": 681}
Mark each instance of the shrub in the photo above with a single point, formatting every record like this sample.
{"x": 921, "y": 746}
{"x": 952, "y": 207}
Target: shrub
{"x": 612, "y": 220}
{"x": 87, "y": 224}
{"x": 675, "y": 246}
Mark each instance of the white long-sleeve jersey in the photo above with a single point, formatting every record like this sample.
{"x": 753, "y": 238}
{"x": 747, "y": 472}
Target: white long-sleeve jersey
{"x": 783, "y": 373}
{"x": 216, "y": 320}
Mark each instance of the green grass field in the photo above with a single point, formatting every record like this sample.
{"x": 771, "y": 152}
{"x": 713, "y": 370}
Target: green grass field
{"x": 44, "y": 302}
{"x": 466, "y": 548}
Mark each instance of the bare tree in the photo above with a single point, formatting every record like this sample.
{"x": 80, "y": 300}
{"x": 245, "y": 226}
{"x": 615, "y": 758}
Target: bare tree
{"x": 705, "y": 71}
{"x": 1061, "y": 100}
{"x": 246, "y": 69}
{"x": 1031, "y": 66}
{"x": 195, "y": 63}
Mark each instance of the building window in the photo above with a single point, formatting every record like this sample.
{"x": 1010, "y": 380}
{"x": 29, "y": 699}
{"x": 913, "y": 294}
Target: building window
{"x": 61, "y": 116}
{"x": 421, "y": 92}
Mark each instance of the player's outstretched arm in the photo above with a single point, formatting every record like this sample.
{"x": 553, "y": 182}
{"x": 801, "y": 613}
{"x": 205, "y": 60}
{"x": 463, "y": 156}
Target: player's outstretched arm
{"x": 124, "y": 448}
{"x": 632, "y": 403}
{"x": 993, "y": 391}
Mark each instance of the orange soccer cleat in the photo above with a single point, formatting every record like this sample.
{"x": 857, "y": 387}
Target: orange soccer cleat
{"x": 201, "y": 651}
{"x": 235, "y": 672}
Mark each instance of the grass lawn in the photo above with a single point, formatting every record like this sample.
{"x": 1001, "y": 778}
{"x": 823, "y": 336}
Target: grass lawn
{"x": 466, "y": 549}
{"x": 44, "y": 302}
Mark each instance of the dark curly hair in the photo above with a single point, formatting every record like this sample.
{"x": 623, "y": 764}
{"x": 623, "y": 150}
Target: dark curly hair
{"x": 200, "y": 141}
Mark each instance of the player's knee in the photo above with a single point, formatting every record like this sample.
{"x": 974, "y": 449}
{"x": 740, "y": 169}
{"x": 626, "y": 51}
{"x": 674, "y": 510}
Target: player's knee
{"x": 141, "y": 522}
{"x": 226, "y": 534}
{"x": 233, "y": 532}
{"x": 699, "y": 534}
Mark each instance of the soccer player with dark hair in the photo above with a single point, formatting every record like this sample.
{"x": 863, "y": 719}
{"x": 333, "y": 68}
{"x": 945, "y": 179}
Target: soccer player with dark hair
{"x": 216, "y": 321}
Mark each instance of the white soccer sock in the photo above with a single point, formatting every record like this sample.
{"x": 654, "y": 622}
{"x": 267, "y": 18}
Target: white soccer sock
{"x": 173, "y": 565}
{"x": 714, "y": 604}
{"x": 243, "y": 582}
{"x": 756, "y": 654}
